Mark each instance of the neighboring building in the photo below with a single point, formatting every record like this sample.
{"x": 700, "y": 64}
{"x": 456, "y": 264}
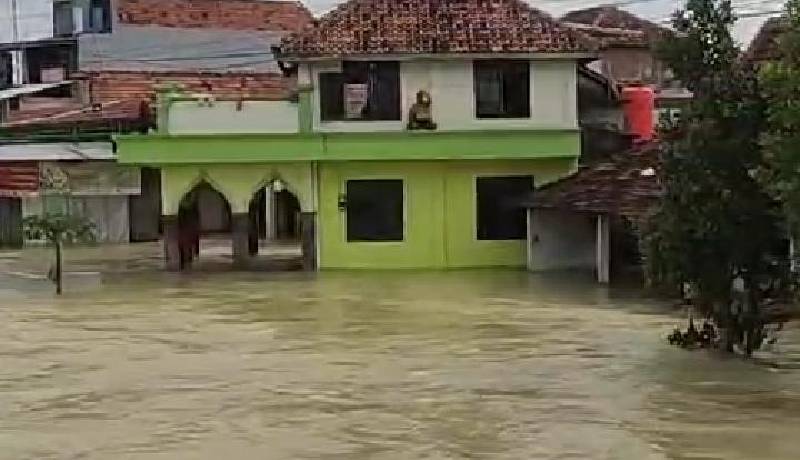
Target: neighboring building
{"x": 127, "y": 49}
{"x": 34, "y": 58}
{"x": 626, "y": 44}
{"x": 18, "y": 180}
{"x": 765, "y": 47}
{"x": 592, "y": 220}
{"x": 208, "y": 46}
{"x": 627, "y": 55}
{"x": 383, "y": 179}
{"x": 91, "y": 185}
{"x": 601, "y": 115}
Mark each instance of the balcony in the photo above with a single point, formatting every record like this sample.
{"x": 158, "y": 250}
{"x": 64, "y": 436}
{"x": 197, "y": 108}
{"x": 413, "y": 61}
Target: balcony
{"x": 203, "y": 130}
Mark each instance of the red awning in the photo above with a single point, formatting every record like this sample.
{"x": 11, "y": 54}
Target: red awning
{"x": 19, "y": 178}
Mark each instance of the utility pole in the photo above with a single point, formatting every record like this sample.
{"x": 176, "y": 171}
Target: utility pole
{"x": 14, "y": 24}
{"x": 16, "y": 56}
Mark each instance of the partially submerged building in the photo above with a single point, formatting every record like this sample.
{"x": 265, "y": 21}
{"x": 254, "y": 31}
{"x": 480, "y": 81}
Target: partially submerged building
{"x": 592, "y": 220}
{"x": 121, "y": 52}
{"x": 415, "y": 129}
{"x": 82, "y": 179}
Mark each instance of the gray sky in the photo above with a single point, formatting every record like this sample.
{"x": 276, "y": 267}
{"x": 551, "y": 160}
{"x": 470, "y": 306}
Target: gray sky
{"x": 654, "y": 10}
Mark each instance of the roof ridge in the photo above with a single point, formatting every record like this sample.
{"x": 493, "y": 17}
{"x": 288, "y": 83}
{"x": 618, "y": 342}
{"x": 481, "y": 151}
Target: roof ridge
{"x": 433, "y": 26}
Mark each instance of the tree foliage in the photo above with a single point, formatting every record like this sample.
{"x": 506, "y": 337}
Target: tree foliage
{"x": 781, "y": 139}
{"x": 715, "y": 222}
{"x": 57, "y": 229}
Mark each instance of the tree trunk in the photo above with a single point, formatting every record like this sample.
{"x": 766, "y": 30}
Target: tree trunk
{"x": 59, "y": 279}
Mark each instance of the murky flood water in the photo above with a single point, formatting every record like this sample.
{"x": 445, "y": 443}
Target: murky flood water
{"x": 402, "y": 365}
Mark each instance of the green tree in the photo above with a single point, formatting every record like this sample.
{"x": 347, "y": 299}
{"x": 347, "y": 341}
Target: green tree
{"x": 58, "y": 229}
{"x": 715, "y": 224}
{"x": 781, "y": 140}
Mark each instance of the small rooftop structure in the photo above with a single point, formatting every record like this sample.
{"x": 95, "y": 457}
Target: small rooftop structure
{"x": 612, "y": 26}
{"x": 625, "y": 184}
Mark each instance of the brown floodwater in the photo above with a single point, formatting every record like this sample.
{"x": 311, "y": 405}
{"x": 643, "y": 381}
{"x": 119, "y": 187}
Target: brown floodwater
{"x": 381, "y": 365}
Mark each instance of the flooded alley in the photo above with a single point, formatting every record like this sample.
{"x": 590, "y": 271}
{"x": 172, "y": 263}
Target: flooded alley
{"x": 386, "y": 365}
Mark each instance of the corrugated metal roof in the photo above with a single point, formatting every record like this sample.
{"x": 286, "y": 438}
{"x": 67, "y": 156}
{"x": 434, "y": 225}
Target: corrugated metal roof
{"x": 19, "y": 178}
{"x": 61, "y": 151}
{"x": 153, "y": 48}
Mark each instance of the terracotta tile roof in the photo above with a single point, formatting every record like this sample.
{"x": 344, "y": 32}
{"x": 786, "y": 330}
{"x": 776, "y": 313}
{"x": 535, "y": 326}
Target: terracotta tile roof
{"x": 49, "y": 117}
{"x": 607, "y": 37}
{"x": 228, "y": 14}
{"x": 366, "y": 27}
{"x": 616, "y": 185}
{"x": 764, "y": 46}
{"x": 612, "y": 26}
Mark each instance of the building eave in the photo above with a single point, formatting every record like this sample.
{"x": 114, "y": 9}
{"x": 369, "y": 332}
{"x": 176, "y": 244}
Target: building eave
{"x": 43, "y": 43}
{"x": 370, "y": 146}
{"x": 440, "y": 56}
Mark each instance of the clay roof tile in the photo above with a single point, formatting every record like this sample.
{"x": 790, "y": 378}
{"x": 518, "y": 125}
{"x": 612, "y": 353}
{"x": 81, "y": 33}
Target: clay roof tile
{"x": 365, "y": 27}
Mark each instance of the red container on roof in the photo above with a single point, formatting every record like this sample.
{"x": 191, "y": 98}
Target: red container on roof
{"x": 639, "y": 103}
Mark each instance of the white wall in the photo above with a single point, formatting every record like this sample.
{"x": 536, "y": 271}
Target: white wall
{"x": 450, "y": 83}
{"x": 34, "y": 20}
{"x": 6, "y": 30}
{"x": 561, "y": 240}
{"x": 223, "y": 117}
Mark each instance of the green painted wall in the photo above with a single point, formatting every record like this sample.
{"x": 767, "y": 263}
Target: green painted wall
{"x": 440, "y": 219}
{"x": 261, "y": 148}
{"x": 237, "y": 183}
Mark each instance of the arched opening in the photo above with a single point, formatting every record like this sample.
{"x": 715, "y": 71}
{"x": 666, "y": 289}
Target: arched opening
{"x": 274, "y": 228}
{"x": 204, "y": 224}
{"x": 287, "y": 216}
{"x": 208, "y": 234}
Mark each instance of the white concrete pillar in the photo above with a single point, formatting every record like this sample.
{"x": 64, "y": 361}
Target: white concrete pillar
{"x": 603, "y": 249}
{"x": 269, "y": 213}
{"x": 18, "y": 71}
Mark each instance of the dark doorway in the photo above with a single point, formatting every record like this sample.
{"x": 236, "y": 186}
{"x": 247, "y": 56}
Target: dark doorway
{"x": 274, "y": 230}
{"x": 202, "y": 212}
{"x": 11, "y": 223}
{"x": 145, "y": 208}
{"x": 287, "y": 216}
{"x": 626, "y": 257}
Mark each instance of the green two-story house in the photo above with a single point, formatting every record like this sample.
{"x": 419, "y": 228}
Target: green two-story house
{"x": 416, "y": 128}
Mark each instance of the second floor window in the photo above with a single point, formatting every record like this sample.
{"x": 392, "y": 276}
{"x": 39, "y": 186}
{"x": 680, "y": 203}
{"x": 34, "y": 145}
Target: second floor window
{"x": 63, "y": 20}
{"x": 99, "y": 16}
{"x": 502, "y": 89}
{"x": 362, "y": 91}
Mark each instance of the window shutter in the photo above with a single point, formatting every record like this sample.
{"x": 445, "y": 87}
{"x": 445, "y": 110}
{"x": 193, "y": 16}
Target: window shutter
{"x": 331, "y": 91}
{"x": 384, "y": 87}
{"x": 517, "y": 83}
{"x": 488, "y": 89}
